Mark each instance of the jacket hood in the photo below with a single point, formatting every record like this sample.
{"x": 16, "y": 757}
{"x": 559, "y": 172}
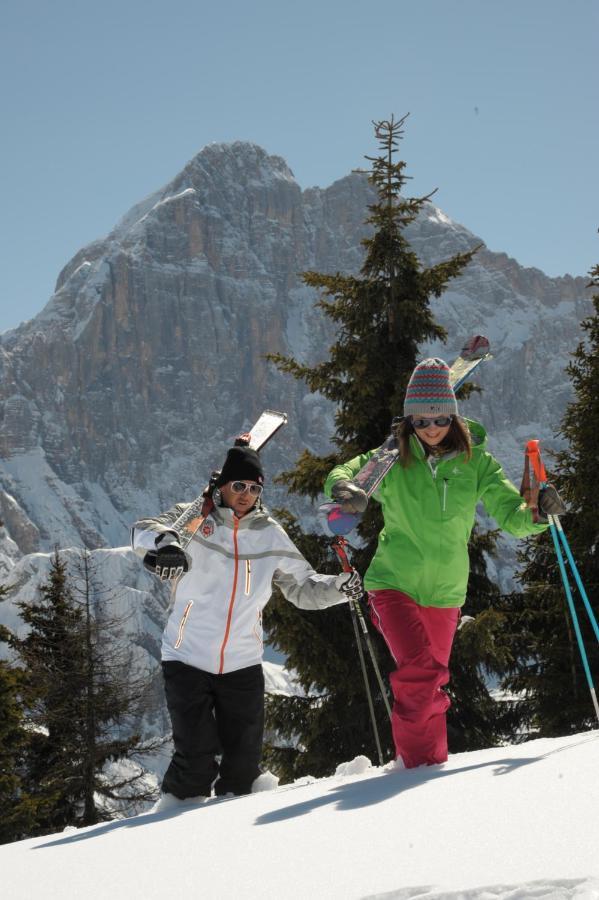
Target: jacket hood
{"x": 478, "y": 433}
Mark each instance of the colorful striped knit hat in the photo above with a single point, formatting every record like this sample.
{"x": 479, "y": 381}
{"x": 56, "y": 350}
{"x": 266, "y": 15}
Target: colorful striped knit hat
{"x": 429, "y": 391}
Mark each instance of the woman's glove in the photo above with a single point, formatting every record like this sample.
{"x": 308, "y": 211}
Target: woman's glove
{"x": 350, "y": 497}
{"x": 350, "y": 584}
{"x": 550, "y": 502}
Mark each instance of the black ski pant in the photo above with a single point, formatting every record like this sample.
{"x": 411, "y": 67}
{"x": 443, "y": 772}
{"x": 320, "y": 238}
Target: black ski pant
{"x": 213, "y": 716}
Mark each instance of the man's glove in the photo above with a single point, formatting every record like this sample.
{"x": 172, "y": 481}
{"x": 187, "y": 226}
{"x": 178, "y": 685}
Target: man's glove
{"x": 350, "y": 584}
{"x": 350, "y": 497}
{"x": 550, "y": 502}
{"x": 169, "y": 560}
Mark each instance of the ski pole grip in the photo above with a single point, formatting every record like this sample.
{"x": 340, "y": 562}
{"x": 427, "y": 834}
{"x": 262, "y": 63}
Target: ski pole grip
{"x": 534, "y": 454}
{"x": 339, "y": 548}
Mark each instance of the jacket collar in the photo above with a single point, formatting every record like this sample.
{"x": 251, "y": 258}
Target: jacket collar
{"x": 223, "y": 515}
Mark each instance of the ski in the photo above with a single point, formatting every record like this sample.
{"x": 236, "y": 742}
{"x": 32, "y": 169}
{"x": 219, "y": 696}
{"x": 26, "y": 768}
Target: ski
{"x": 475, "y": 350}
{"x": 265, "y": 428}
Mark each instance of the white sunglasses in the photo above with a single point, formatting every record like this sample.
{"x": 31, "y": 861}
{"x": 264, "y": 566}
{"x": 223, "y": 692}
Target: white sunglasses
{"x": 240, "y": 487}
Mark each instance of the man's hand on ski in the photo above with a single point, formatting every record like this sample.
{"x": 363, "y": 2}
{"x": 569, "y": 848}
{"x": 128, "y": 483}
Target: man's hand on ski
{"x": 550, "y": 502}
{"x": 171, "y": 559}
{"x": 350, "y": 496}
{"x": 350, "y": 584}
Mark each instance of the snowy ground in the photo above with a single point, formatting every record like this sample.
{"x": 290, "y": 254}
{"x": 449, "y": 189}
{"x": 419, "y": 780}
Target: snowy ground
{"x": 499, "y": 824}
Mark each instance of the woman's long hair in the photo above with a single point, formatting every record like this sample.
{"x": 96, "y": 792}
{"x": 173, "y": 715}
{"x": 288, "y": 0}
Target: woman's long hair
{"x": 457, "y": 440}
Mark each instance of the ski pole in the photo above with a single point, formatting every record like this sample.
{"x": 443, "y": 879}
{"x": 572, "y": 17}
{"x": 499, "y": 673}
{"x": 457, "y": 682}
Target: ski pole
{"x": 576, "y": 573}
{"x": 367, "y": 685}
{"x": 339, "y": 546}
{"x": 365, "y": 676}
{"x": 564, "y": 540}
{"x": 534, "y": 454}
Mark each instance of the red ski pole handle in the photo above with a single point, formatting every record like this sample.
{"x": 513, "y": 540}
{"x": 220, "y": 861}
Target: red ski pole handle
{"x": 534, "y": 455}
{"x": 339, "y": 545}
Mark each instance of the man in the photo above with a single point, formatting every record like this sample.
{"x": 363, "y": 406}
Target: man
{"x": 212, "y": 643}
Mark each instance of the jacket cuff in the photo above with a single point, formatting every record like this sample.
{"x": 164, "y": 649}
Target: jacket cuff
{"x": 166, "y": 538}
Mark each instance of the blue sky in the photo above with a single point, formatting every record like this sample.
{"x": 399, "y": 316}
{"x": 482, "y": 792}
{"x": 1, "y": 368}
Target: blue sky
{"x": 102, "y": 103}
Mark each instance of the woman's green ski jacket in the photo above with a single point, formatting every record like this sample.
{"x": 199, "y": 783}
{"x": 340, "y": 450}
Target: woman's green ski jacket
{"x": 428, "y": 510}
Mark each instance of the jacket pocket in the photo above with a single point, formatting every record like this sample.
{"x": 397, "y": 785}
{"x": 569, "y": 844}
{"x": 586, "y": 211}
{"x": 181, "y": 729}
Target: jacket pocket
{"x": 182, "y": 624}
{"x": 257, "y": 629}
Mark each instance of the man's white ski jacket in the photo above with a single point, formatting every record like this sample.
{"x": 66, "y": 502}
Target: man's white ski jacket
{"x": 215, "y": 622}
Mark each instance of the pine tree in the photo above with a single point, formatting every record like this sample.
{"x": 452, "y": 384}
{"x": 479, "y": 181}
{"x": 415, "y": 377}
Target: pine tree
{"x": 17, "y": 808}
{"x": 114, "y": 700}
{"x": 79, "y": 697}
{"x": 53, "y": 678}
{"x": 548, "y": 670}
{"x": 382, "y": 317}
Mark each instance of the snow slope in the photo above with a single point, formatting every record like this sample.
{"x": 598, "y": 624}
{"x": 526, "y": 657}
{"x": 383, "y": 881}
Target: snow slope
{"x": 499, "y": 824}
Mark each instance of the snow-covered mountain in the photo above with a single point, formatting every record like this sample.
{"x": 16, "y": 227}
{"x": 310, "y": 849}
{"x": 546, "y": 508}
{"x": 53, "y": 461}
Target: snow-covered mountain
{"x": 506, "y": 823}
{"x": 125, "y": 391}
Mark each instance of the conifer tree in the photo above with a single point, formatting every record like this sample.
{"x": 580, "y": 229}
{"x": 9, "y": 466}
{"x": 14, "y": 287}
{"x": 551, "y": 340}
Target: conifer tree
{"x": 548, "y": 670}
{"x": 17, "y": 808}
{"x": 382, "y": 316}
{"x": 79, "y": 697}
{"x": 53, "y": 678}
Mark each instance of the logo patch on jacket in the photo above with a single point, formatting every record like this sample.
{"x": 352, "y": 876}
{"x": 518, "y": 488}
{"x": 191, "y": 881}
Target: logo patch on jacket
{"x": 208, "y": 528}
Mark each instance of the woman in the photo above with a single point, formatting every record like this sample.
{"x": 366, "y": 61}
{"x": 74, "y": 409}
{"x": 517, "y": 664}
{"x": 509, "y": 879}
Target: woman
{"x": 418, "y": 577}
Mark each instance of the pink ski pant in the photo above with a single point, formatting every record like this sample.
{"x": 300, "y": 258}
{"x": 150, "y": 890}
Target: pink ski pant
{"x": 420, "y": 639}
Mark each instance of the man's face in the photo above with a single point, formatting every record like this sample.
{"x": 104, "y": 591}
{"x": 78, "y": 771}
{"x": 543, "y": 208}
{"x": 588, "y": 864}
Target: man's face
{"x": 240, "y": 496}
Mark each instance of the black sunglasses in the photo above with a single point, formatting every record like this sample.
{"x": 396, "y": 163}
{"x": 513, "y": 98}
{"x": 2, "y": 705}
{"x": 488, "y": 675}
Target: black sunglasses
{"x": 440, "y": 422}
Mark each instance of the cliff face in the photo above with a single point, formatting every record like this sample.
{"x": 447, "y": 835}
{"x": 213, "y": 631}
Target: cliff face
{"x": 123, "y": 393}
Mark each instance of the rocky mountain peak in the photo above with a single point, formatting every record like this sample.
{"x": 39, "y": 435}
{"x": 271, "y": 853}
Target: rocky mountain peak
{"x": 123, "y": 393}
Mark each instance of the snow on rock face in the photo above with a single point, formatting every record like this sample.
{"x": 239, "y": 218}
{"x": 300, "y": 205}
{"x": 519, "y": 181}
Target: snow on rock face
{"x": 278, "y": 680}
{"x": 125, "y": 391}
{"x": 131, "y": 591}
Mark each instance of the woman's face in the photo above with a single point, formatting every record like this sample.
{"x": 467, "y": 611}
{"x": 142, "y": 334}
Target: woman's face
{"x": 432, "y": 434}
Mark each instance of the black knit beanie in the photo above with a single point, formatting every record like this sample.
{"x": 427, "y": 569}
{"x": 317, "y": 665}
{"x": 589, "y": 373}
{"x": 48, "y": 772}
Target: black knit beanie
{"x": 241, "y": 464}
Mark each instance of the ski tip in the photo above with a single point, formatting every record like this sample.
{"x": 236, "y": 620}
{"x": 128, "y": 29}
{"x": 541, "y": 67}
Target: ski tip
{"x": 476, "y": 347}
{"x": 267, "y": 425}
{"x": 275, "y": 414}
